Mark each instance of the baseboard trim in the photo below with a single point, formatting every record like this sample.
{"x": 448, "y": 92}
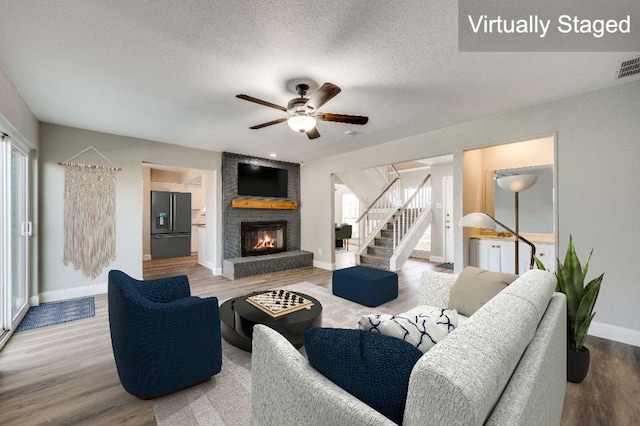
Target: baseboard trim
{"x": 34, "y": 300}
{"x": 146, "y": 257}
{"x": 210, "y": 266}
{"x": 324, "y": 265}
{"x": 616, "y": 333}
{"x": 73, "y": 293}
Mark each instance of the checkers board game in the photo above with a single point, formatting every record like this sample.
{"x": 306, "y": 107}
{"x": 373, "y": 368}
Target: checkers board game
{"x": 279, "y": 302}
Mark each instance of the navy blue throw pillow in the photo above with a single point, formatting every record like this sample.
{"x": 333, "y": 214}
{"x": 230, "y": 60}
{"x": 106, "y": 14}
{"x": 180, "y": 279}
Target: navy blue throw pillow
{"x": 372, "y": 367}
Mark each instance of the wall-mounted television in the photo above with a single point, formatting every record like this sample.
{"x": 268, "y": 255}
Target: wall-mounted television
{"x": 262, "y": 181}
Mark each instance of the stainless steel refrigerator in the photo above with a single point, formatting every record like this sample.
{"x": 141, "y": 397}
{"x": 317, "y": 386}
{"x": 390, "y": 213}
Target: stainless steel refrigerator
{"x": 170, "y": 224}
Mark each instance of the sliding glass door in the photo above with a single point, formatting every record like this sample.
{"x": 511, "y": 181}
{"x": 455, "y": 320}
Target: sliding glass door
{"x": 20, "y": 231}
{"x": 15, "y": 229}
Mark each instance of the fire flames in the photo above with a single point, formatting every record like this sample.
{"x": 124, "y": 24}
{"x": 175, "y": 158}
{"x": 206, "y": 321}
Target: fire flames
{"x": 266, "y": 242}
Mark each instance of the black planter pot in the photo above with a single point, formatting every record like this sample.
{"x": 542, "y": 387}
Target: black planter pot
{"x": 577, "y": 365}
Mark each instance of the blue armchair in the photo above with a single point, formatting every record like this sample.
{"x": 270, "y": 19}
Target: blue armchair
{"x": 163, "y": 338}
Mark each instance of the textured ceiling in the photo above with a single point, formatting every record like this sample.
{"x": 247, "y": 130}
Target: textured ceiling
{"x": 169, "y": 70}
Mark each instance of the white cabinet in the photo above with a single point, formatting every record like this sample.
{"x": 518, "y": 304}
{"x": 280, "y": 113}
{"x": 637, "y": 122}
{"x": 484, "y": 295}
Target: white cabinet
{"x": 167, "y": 186}
{"x": 202, "y": 244}
{"x": 484, "y": 254}
{"x": 499, "y": 255}
{"x": 196, "y": 196}
{"x": 492, "y": 255}
{"x": 194, "y": 239}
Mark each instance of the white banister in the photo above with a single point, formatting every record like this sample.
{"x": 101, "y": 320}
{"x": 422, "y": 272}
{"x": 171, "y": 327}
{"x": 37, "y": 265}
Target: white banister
{"x": 378, "y": 213}
{"x": 388, "y": 172}
{"x": 387, "y": 218}
{"x": 410, "y": 212}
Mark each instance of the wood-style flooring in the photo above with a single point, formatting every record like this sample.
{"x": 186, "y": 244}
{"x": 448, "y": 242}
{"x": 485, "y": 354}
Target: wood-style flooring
{"x": 65, "y": 374}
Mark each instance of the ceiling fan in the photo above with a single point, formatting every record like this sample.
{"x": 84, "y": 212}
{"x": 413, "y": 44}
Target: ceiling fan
{"x": 303, "y": 112}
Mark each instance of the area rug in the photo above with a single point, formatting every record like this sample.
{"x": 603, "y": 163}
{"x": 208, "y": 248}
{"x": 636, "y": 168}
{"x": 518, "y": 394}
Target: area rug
{"x": 57, "y": 313}
{"x": 226, "y": 398}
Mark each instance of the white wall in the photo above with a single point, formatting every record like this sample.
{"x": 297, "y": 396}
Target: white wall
{"x": 15, "y": 111}
{"x": 598, "y": 185}
{"x": 17, "y": 120}
{"x": 366, "y": 184}
{"x": 340, "y": 190}
{"x": 58, "y": 143}
{"x": 413, "y": 178}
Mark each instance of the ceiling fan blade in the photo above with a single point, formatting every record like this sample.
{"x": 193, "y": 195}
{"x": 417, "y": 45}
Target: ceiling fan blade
{"x": 261, "y": 102}
{"x": 313, "y": 133}
{"x": 322, "y": 96}
{"x": 342, "y": 118}
{"x": 270, "y": 123}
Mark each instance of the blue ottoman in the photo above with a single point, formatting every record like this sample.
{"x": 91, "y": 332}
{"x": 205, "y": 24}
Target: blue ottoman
{"x": 366, "y": 286}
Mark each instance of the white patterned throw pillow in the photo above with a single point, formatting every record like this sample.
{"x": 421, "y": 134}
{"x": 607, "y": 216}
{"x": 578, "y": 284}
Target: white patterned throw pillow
{"x": 422, "y": 331}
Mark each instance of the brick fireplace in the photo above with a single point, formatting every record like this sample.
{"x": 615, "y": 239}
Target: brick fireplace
{"x": 240, "y": 256}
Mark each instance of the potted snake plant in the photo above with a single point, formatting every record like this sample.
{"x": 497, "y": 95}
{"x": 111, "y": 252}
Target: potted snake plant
{"x": 581, "y": 298}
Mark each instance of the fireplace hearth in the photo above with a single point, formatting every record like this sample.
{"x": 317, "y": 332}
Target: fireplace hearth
{"x": 260, "y": 238}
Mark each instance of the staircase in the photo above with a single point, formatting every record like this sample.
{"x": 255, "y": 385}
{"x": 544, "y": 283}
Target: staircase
{"x": 389, "y": 240}
{"x": 380, "y": 251}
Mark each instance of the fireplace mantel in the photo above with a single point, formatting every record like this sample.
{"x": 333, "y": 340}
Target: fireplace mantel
{"x": 251, "y": 203}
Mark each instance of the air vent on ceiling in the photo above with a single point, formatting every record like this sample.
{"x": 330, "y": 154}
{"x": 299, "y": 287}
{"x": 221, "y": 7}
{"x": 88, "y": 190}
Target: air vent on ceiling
{"x": 629, "y": 67}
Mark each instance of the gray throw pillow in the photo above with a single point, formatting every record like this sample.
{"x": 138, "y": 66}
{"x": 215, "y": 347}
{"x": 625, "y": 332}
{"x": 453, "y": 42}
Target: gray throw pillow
{"x": 475, "y": 287}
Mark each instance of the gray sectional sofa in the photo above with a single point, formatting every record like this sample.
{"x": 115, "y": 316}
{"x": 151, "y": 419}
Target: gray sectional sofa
{"x": 505, "y": 365}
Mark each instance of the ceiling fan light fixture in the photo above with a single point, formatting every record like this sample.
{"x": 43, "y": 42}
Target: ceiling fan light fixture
{"x": 301, "y": 123}
{"x": 303, "y": 111}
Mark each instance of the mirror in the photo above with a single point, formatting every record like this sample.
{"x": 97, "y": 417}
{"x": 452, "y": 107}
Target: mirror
{"x": 535, "y": 203}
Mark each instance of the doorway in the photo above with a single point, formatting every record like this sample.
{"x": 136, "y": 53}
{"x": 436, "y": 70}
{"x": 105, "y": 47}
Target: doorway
{"x": 408, "y": 178}
{"x": 15, "y": 229}
{"x": 195, "y": 189}
{"x": 346, "y": 212}
{"x": 537, "y": 205}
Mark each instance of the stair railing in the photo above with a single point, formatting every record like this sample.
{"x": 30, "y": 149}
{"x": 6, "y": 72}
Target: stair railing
{"x": 410, "y": 212}
{"x": 388, "y": 172}
{"x": 378, "y": 213}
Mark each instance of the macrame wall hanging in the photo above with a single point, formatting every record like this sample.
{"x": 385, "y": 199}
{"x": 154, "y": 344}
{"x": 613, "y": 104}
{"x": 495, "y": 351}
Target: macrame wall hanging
{"x": 89, "y": 215}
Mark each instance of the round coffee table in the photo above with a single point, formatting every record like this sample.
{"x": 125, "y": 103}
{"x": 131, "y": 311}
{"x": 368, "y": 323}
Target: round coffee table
{"x": 237, "y": 318}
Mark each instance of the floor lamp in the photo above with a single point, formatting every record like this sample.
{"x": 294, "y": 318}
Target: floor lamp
{"x": 485, "y": 221}
{"x": 517, "y": 184}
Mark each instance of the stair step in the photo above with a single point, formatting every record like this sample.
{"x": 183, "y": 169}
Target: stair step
{"x": 374, "y": 261}
{"x": 386, "y": 233}
{"x": 381, "y": 241}
{"x": 383, "y": 251}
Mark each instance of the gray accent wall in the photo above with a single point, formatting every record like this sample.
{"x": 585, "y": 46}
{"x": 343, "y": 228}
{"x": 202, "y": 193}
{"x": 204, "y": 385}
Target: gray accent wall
{"x": 598, "y": 190}
{"x": 232, "y": 217}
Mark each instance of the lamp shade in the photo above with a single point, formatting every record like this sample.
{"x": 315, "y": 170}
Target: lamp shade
{"x": 301, "y": 123}
{"x": 478, "y": 220}
{"x": 517, "y": 183}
